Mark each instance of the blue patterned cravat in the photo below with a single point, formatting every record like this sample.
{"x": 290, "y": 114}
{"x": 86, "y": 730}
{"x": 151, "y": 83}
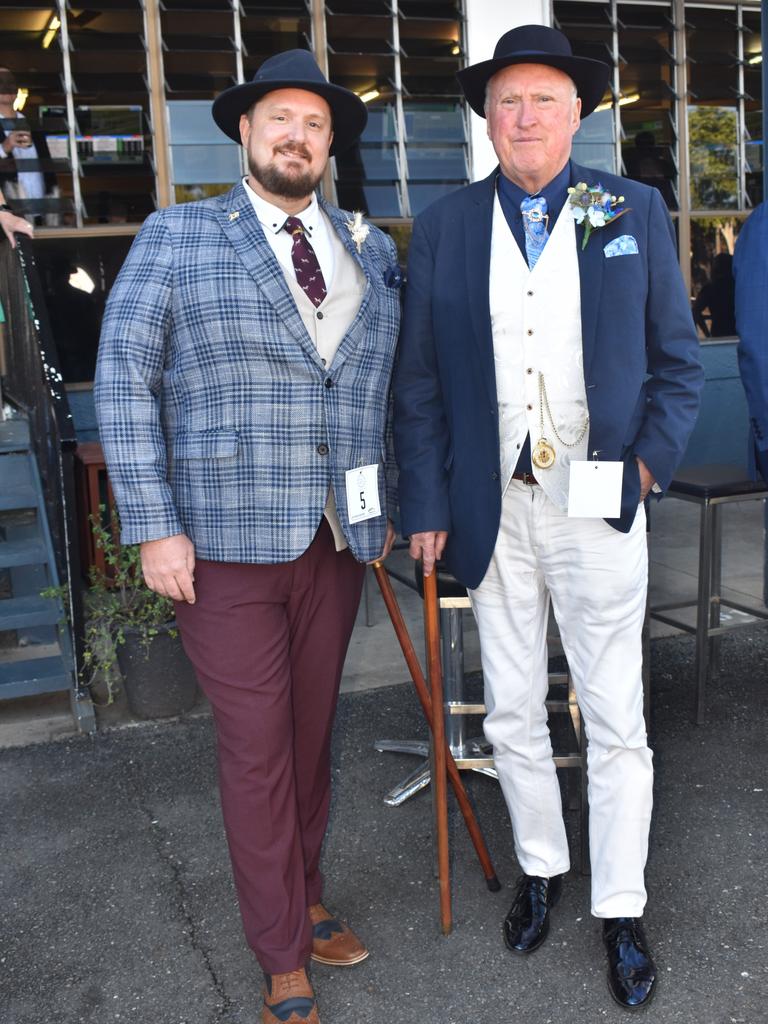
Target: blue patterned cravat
{"x": 534, "y": 211}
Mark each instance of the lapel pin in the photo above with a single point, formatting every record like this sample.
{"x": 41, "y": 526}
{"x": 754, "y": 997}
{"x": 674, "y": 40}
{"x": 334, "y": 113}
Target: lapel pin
{"x": 235, "y": 215}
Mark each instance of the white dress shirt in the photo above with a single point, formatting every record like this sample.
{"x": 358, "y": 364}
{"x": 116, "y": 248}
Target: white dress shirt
{"x": 272, "y": 220}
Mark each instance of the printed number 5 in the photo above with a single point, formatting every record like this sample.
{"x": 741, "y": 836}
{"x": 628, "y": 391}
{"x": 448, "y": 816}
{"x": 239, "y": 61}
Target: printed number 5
{"x": 362, "y": 499}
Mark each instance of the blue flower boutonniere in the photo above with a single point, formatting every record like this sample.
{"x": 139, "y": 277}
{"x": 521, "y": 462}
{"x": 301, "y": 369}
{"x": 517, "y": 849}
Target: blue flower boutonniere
{"x": 594, "y": 207}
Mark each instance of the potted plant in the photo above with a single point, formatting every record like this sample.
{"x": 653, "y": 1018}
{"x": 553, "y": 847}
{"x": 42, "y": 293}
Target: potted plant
{"x": 130, "y": 633}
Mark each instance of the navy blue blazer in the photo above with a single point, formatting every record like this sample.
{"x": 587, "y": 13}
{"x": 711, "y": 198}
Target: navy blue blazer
{"x": 641, "y": 366}
{"x": 750, "y": 268}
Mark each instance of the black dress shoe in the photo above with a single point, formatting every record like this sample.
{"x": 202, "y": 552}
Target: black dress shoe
{"x": 631, "y": 970}
{"x": 527, "y": 923}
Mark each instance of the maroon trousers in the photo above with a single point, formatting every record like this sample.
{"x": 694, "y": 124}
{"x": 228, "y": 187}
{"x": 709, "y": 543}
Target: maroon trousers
{"x": 268, "y": 644}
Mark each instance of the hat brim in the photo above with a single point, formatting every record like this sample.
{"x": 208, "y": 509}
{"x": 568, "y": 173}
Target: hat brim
{"x": 348, "y": 112}
{"x": 590, "y": 77}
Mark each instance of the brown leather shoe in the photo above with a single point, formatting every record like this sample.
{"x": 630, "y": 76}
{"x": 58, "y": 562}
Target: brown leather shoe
{"x": 289, "y": 999}
{"x": 332, "y": 941}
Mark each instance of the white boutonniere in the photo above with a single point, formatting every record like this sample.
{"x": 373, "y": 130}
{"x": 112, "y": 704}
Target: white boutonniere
{"x": 594, "y": 207}
{"x": 358, "y": 229}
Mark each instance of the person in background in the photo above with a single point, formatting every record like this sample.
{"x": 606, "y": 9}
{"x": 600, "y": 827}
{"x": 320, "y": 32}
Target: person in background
{"x": 750, "y": 269}
{"x": 242, "y": 391}
{"x": 717, "y": 296}
{"x": 547, "y": 381}
{"x": 18, "y": 145}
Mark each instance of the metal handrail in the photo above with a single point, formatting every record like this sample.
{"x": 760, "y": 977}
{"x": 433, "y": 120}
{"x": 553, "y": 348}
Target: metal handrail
{"x": 32, "y": 382}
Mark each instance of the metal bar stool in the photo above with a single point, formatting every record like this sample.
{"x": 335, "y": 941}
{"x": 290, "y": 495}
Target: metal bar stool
{"x": 472, "y": 753}
{"x": 710, "y": 487}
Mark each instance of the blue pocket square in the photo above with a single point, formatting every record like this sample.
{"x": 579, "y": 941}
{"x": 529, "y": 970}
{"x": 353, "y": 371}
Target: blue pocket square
{"x": 624, "y": 245}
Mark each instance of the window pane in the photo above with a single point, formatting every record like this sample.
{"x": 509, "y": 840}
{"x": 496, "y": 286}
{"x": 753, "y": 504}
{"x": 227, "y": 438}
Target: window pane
{"x": 712, "y": 243}
{"x": 712, "y": 41}
{"x": 361, "y": 57}
{"x": 76, "y": 275}
{"x": 647, "y": 97}
{"x": 109, "y": 77}
{"x": 753, "y": 107}
{"x": 36, "y": 180}
{"x": 713, "y": 148}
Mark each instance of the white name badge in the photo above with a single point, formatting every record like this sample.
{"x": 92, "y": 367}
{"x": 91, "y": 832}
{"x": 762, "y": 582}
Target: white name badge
{"x": 363, "y": 493}
{"x": 594, "y": 490}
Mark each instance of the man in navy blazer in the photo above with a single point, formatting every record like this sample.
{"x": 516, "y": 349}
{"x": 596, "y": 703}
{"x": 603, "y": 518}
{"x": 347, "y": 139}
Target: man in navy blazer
{"x": 243, "y": 396}
{"x": 750, "y": 269}
{"x": 547, "y": 363}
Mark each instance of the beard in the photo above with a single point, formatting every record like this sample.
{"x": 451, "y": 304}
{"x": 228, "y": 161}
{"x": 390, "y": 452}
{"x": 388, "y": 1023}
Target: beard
{"x": 280, "y": 183}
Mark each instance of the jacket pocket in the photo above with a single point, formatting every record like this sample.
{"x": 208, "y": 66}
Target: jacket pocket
{"x": 206, "y": 444}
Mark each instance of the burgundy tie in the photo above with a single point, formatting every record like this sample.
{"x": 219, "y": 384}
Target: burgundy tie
{"x": 308, "y": 272}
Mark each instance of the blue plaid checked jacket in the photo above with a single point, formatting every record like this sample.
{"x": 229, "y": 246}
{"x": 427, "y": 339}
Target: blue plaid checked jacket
{"x": 216, "y": 414}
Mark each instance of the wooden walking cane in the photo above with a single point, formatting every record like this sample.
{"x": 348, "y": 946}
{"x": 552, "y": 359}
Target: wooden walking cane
{"x": 439, "y": 774}
{"x": 420, "y": 684}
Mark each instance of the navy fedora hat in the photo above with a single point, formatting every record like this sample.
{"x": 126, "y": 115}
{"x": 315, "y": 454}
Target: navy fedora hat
{"x": 537, "y": 44}
{"x": 293, "y": 69}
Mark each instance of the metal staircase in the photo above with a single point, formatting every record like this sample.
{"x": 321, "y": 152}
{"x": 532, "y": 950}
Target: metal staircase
{"x": 38, "y": 544}
{"x": 35, "y": 646}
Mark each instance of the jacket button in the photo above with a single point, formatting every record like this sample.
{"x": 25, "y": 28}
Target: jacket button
{"x": 322, "y": 449}
{"x": 494, "y": 475}
{"x": 328, "y": 382}
{"x": 529, "y": 332}
{"x": 319, "y": 315}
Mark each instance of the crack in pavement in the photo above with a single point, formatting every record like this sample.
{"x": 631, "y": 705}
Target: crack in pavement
{"x": 158, "y": 835}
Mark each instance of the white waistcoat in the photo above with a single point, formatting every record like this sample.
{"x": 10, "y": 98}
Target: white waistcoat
{"x": 327, "y": 325}
{"x": 536, "y": 324}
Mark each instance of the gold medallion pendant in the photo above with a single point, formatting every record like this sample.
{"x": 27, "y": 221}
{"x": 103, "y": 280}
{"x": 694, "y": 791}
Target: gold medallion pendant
{"x": 543, "y": 454}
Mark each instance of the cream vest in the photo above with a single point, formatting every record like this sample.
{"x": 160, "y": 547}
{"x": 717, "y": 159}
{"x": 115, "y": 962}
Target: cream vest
{"x": 327, "y": 324}
{"x": 536, "y": 324}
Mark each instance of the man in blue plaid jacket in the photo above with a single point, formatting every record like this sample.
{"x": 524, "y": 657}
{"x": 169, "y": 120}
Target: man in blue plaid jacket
{"x": 243, "y": 395}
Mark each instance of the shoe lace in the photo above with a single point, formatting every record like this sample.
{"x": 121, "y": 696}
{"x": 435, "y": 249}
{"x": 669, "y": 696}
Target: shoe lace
{"x": 627, "y": 929}
{"x": 529, "y": 886}
{"x": 288, "y": 985}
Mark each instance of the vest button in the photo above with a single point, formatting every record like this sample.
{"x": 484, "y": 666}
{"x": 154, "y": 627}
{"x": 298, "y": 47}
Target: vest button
{"x": 322, "y": 449}
{"x": 319, "y": 315}
{"x": 529, "y": 332}
{"x": 328, "y": 382}
{"x": 529, "y": 294}
{"x": 529, "y": 370}
{"x": 529, "y": 407}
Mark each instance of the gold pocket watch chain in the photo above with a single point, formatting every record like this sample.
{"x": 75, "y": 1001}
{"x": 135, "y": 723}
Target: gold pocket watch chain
{"x": 543, "y": 454}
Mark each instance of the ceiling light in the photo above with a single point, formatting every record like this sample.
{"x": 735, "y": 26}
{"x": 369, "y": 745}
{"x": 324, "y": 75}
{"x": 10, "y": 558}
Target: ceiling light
{"x": 631, "y": 97}
{"x": 757, "y": 58}
{"x": 82, "y": 281}
{"x": 371, "y": 94}
{"x": 53, "y": 27}
{"x": 21, "y": 98}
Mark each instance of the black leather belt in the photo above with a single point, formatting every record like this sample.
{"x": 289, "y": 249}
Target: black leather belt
{"x": 527, "y": 478}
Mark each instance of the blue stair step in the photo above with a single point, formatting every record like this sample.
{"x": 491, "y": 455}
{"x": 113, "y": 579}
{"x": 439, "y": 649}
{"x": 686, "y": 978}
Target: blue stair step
{"x": 42, "y": 675}
{"x": 15, "y": 498}
{"x": 22, "y": 552}
{"x": 21, "y": 612}
{"x": 14, "y": 436}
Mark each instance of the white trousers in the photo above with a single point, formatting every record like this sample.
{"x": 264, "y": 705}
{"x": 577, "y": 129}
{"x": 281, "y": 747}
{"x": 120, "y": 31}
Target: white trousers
{"x": 597, "y": 580}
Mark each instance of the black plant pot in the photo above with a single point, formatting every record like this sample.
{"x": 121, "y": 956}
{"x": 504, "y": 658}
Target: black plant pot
{"x": 159, "y": 679}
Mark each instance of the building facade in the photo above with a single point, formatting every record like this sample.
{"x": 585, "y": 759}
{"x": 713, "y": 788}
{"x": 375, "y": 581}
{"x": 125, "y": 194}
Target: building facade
{"x": 118, "y": 96}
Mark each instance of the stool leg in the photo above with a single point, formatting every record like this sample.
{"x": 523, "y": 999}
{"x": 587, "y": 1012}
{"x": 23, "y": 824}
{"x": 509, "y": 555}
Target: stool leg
{"x": 703, "y": 608}
{"x": 452, "y": 646}
{"x": 715, "y": 607}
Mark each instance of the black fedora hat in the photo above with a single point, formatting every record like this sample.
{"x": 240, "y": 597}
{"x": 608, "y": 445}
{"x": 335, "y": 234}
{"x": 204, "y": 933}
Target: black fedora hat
{"x": 293, "y": 69}
{"x": 537, "y": 44}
